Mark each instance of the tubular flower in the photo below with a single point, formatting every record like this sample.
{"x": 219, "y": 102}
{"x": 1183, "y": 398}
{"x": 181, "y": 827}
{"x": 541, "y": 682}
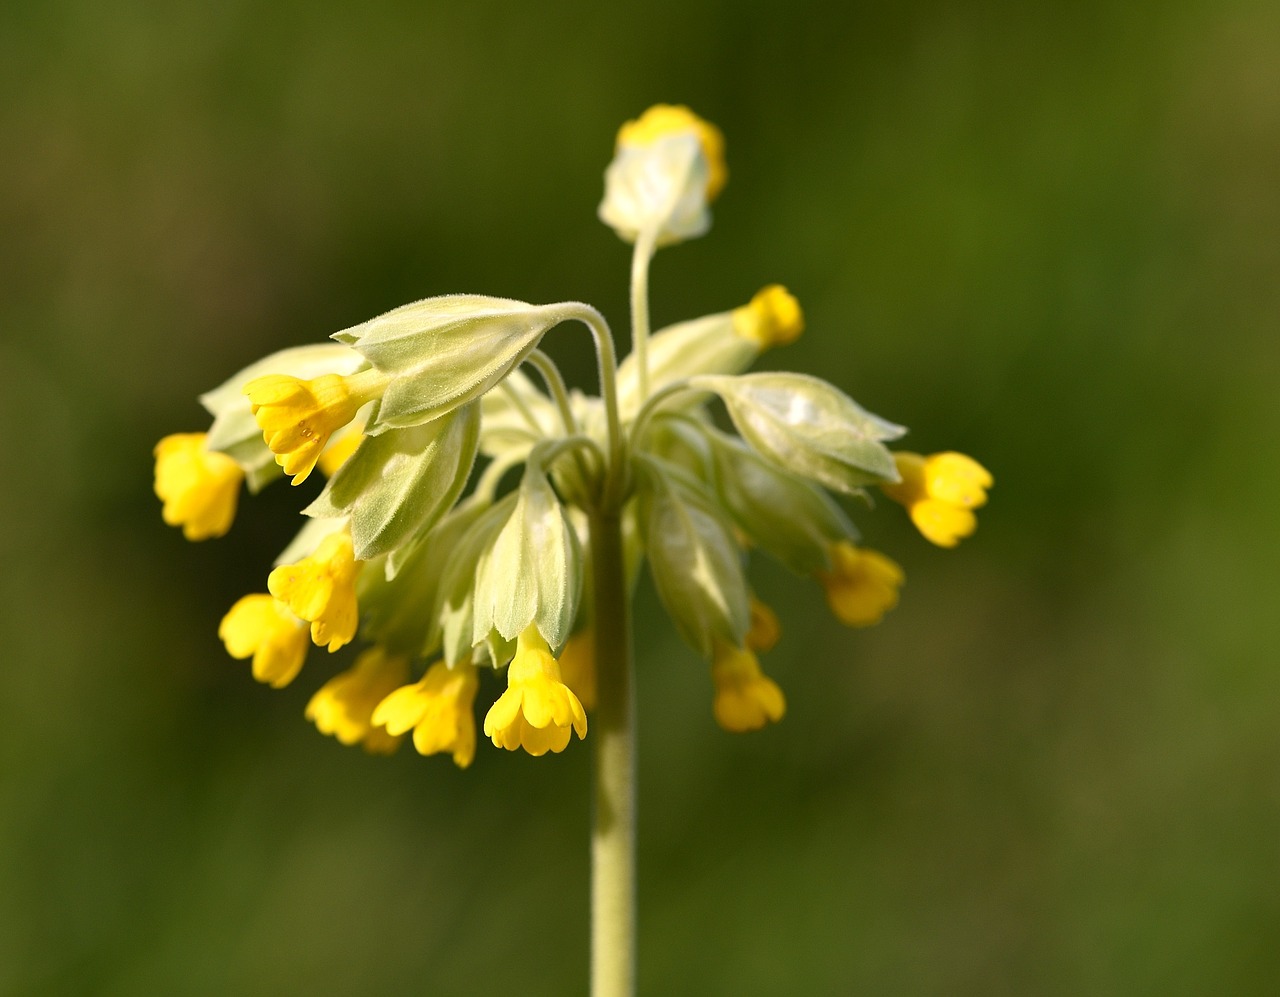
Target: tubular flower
{"x": 321, "y": 589}
{"x": 538, "y": 711}
{"x": 862, "y": 584}
{"x": 262, "y": 626}
{"x": 765, "y": 630}
{"x": 940, "y": 492}
{"x": 772, "y": 318}
{"x": 746, "y": 699}
{"x": 297, "y": 417}
{"x": 663, "y": 120}
{"x": 438, "y": 709}
{"x": 578, "y": 667}
{"x": 345, "y": 704}
{"x": 199, "y": 487}
{"x": 337, "y": 452}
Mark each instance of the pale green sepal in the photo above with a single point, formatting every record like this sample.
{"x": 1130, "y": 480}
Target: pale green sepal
{"x": 307, "y": 539}
{"x": 694, "y": 561}
{"x": 707, "y": 345}
{"x": 532, "y": 574}
{"x": 457, "y": 584}
{"x": 443, "y": 352}
{"x": 785, "y": 515}
{"x": 396, "y": 485}
{"x": 235, "y": 431}
{"x": 809, "y": 427}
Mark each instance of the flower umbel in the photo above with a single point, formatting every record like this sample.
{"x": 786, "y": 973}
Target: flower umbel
{"x": 862, "y": 584}
{"x": 344, "y": 706}
{"x": 438, "y": 709}
{"x": 199, "y": 487}
{"x": 746, "y": 699}
{"x": 321, "y": 589}
{"x": 262, "y": 627}
{"x": 940, "y": 493}
{"x": 538, "y": 711}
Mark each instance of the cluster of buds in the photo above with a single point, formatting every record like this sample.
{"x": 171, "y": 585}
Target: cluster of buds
{"x": 453, "y": 532}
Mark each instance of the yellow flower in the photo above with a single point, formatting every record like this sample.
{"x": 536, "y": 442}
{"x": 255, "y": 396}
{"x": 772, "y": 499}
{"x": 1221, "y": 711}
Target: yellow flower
{"x": 321, "y": 589}
{"x": 772, "y": 318}
{"x": 765, "y": 630}
{"x": 746, "y": 699}
{"x": 538, "y": 711}
{"x": 862, "y": 584}
{"x": 940, "y": 492}
{"x": 578, "y": 667}
{"x": 261, "y": 626}
{"x": 662, "y": 120}
{"x": 198, "y": 487}
{"x": 344, "y": 706}
{"x": 337, "y": 452}
{"x": 438, "y": 708}
{"x": 297, "y": 417}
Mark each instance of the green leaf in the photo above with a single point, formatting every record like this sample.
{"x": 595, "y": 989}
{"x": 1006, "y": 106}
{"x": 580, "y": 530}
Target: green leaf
{"x": 808, "y": 426}
{"x": 396, "y": 485}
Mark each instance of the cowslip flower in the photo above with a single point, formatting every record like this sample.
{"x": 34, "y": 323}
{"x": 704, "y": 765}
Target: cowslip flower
{"x": 260, "y": 626}
{"x": 321, "y": 589}
{"x": 537, "y": 711}
{"x": 745, "y": 698}
{"x": 199, "y": 487}
{"x": 862, "y": 584}
{"x": 578, "y": 667}
{"x": 344, "y": 706}
{"x": 438, "y": 709}
{"x": 764, "y": 631}
{"x": 773, "y": 317}
{"x": 940, "y": 493}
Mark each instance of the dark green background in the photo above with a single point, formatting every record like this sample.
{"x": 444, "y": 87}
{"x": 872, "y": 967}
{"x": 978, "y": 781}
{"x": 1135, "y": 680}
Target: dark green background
{"x": 1045, "y": 234}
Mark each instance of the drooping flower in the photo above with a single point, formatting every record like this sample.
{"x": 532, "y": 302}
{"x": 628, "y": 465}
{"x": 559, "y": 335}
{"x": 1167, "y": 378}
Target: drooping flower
{"x": 438, "y": 709}
{"x": 772, "y": 318}
{"x": 199, "y": 487}
{"x": 862, "y": 584}
{"x": 321, "y": 589}
{"x": 668, "y": 167}
{"x": 578, "y": 667}
{"x": 940, "y": 493}
{"x": 262, "y": 627}
{"x": 538, "y": 711}
{"x": 745, "y": 699}
{"x": 297, "y": 417}
{"x": 344, "y": 706}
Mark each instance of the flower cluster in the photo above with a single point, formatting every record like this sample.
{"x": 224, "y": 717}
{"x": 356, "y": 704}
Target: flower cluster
{"x": 454, "y": 530}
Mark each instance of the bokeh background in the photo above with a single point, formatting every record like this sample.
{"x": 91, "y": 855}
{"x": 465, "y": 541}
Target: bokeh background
{"x": 1045, "y": 234}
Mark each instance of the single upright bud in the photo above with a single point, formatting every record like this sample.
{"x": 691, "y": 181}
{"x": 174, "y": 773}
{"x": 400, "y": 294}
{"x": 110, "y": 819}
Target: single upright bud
{"x": 772, "y": 318}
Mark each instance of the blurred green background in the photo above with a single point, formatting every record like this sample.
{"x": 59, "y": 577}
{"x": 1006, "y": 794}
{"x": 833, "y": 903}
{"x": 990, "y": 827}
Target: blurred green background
{"x": 1044, "y": 234}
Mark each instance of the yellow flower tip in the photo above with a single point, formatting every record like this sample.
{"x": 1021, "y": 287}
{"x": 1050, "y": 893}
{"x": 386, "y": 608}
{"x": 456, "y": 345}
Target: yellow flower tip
{"x": 262, "y": 627}
{"x": 745, "y": 698}
{"x": 765, "y": 630}
{"x": 199, "y": 487}
{"x": 321, "y": 589}
{"x": 772, "y": 318}
{"x": 670, "y": 119}
{"x": 343, "y": 707}
{"x": 862, "y": 584}
{"x": 538, "y": 711}
{"x": 336, "y": 453}
{"x": 578, "y": 667}
{"x": 940, "y": 493}
{"x": 297, "y": 417}
{"x": 438, "y": 709}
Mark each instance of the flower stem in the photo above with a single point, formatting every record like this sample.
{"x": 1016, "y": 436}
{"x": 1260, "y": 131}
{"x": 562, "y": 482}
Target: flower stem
{"x": 640, "y": 260}
{"x": 613, "y": 831}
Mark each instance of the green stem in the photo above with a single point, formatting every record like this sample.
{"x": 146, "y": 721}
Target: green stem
{"x": 613, "y": 830}
{"x": 640, "y": 260}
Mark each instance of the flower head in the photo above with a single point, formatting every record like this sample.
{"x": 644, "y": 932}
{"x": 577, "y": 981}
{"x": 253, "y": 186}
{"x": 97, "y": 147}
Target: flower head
{"x": 862, "y": 584}
{"x": 940, "y": 492}
{"x": 344, "y": 706}
{"x": 199, "y": 487}
{"x": 297, "y": 417}
{"x": 746, "y": 699}
{"x": 772, "y": 318}
{"x": 321, "y": 589}
{"x": 438, "y": 709}
{"x": 262, "y": 627}
{"x": 538, "y": 711}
